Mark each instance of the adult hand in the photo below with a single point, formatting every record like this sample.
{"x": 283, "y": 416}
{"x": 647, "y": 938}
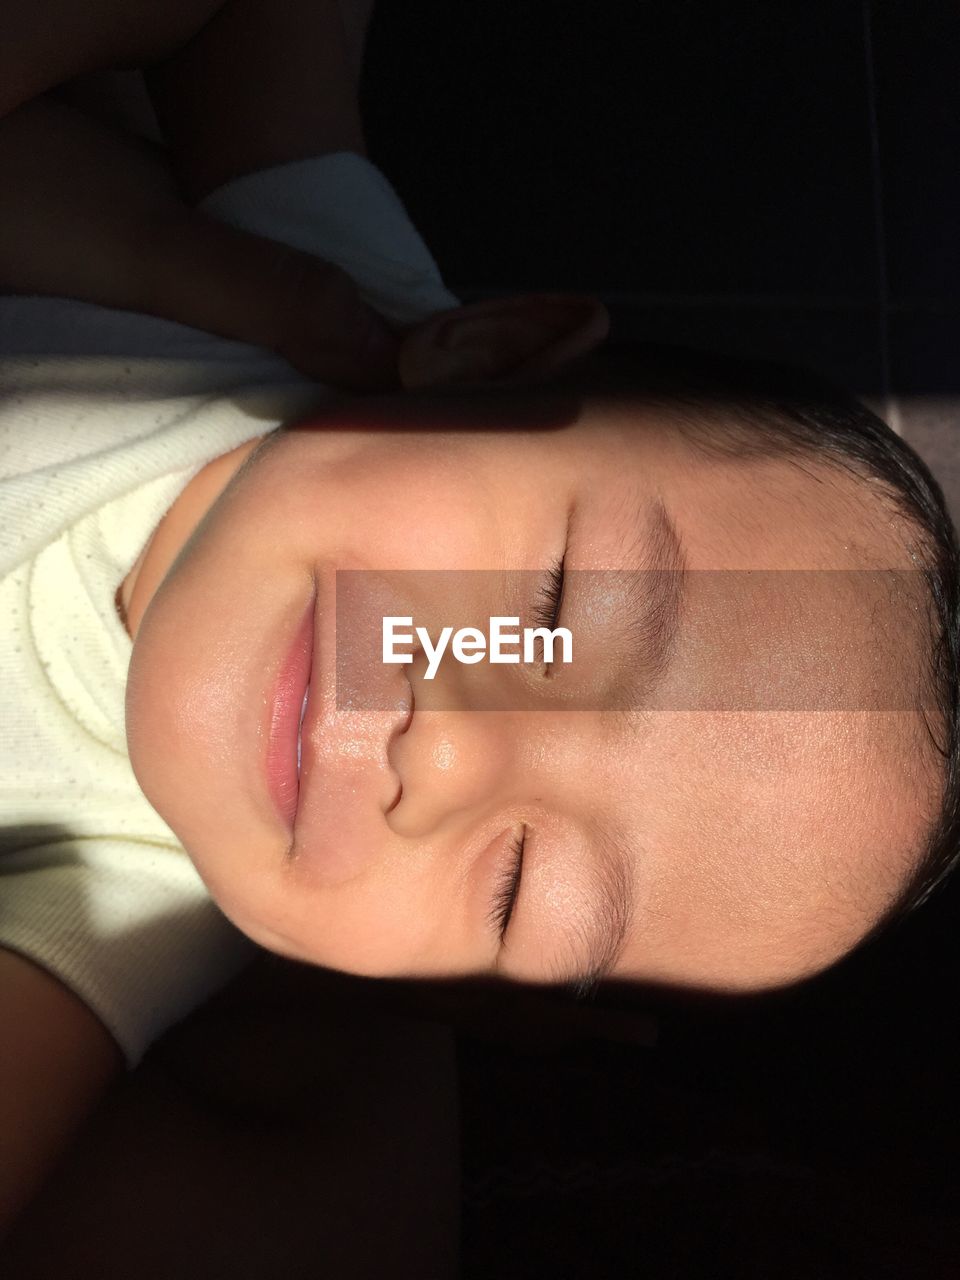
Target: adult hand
{"x": 332, "y": 335}
{"x": 516, "y": 340}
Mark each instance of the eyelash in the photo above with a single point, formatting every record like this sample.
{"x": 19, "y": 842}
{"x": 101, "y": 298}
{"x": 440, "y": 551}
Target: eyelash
{"x": 546, "y": 611}
{"x": 508, "y": 887}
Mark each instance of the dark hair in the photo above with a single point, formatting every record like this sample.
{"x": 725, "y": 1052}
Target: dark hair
{"x": 759, "y": 407}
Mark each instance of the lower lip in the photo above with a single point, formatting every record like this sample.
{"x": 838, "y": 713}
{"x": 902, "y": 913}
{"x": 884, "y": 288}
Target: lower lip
{"x": 285, "y": 706}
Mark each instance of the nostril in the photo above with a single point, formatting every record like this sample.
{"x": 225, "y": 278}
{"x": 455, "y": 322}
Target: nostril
{"x": 400, "y": 727}
{"x": 409, "y": 719}
{"x": 403, "y": 708}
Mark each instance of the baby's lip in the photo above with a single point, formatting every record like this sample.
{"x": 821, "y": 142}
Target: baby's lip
{"x": 347, "y": 783}
{"x": 285, "y": 702}
{"x": 303, "y": 709}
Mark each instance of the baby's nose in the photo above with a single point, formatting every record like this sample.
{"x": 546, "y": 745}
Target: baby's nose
{"x": 472, "y": 763}
{"x": 454, "y": 762}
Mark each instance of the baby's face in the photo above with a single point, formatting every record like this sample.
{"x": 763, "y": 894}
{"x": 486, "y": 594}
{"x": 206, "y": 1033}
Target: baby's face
{"x": 700, "y": 817}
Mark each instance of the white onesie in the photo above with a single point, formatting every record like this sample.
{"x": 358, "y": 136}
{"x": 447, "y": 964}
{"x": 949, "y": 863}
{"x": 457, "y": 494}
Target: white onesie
{"x": 105, "y": 416}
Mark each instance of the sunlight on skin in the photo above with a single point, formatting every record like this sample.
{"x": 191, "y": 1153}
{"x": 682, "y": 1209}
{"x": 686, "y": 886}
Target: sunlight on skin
{"x": 726, "y": 822}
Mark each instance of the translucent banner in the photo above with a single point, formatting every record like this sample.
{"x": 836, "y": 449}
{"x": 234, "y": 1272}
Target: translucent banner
{"x": 634, "y": 640}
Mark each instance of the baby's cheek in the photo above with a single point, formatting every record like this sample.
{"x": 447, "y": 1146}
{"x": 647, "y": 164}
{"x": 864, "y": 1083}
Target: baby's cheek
{"x": 430, "y": 527}
{"x": 249, "y": 904}
{"x": 147, "y": 728}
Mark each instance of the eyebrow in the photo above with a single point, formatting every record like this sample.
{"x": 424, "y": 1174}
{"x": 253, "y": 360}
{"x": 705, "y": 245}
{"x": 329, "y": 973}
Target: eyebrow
{"x": 654, "y": 621}
{"x": 656, "y": 591}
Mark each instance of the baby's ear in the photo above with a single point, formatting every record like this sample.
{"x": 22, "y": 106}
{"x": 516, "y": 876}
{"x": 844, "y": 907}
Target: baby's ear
{"x": 504, "y": 341}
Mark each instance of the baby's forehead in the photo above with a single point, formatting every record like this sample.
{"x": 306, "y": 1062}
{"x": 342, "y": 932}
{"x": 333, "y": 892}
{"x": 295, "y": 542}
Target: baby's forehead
{"x": 803, "y": 640}
{"x": 768, "y": 843}
{"x": 767, "y": 508}
{"x": 793, "y": 580}
{"x": 782, "y": 775}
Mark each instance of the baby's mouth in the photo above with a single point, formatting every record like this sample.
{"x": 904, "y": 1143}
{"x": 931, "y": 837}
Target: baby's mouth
{"x": 303, "y": 711}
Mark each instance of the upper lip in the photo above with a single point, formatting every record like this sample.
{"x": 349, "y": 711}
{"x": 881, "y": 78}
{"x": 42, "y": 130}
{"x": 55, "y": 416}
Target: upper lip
{"x": 281, "y": 735}
{"x": 303, "y": 709}
{"x": 326, "y": 720}
{"x": 309, "y": 710}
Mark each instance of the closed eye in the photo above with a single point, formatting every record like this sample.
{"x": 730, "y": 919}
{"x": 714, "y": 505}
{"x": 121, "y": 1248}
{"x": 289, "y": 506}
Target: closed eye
{"x": 508, "y": 888}
{"x": 546, "y": 610}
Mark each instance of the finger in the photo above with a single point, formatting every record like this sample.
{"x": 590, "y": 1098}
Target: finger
{"x": 334, "y": 336}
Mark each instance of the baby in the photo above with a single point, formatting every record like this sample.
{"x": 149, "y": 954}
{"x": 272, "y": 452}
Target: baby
{"x": 747, "y": 768}
{"x": 730, "y": 793}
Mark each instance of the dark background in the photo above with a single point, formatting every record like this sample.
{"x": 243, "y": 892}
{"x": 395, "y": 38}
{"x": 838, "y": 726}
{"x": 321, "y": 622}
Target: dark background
{"x": 771, "y": 178}
{"x": 775, "y": 179}
{"x": 764, "y": 178}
